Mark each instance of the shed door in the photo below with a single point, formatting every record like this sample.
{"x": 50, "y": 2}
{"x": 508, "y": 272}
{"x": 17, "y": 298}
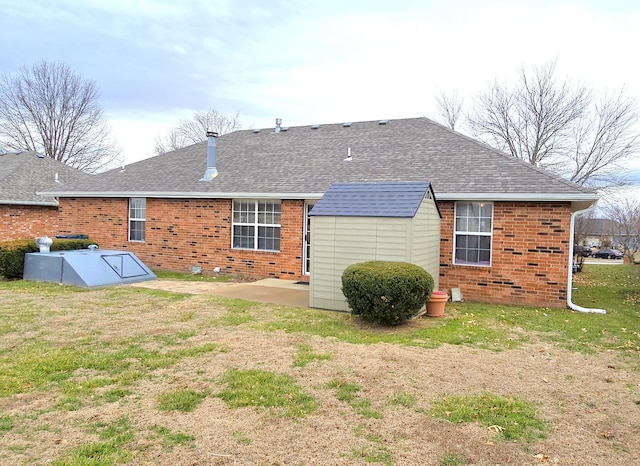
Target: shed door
{"x": 306, "y": 250}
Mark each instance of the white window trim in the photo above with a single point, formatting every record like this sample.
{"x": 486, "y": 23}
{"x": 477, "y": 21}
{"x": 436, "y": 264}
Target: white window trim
{"x": 255, "y": 224}
{"x": 135, "y": 219}
{"x": 306, "y": 259}
{"x": 472, "y": 233}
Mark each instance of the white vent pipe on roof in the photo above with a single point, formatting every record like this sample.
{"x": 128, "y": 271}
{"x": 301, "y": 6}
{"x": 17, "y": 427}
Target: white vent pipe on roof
{"x": 212, "y": 171}
{"x": 573, "y": 306}
{"x": 278, "y": 125}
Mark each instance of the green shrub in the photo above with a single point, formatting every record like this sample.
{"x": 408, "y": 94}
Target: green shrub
{"x": 12, "y": 253}
{"x": 386, "y": 293}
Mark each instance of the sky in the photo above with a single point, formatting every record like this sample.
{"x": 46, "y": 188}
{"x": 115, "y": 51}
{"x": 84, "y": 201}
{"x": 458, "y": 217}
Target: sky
{"x": 329, "y": 61}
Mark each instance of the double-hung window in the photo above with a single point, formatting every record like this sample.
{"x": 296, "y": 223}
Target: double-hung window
{"x": 137, "y": 218}
{"x": 256, "y": 225}
{"x": 473, "y": 233}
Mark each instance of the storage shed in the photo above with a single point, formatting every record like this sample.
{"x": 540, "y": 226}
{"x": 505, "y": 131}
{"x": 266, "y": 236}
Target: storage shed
{"x": 358, "y": 222}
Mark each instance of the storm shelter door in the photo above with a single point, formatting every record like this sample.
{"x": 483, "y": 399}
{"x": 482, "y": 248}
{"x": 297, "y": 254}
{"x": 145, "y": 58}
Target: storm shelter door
{"x": 306, "y": 248}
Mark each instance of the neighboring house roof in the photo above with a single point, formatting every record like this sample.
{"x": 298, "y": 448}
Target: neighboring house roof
{"x": 600, "y": 226}
{"x": 303, "y": 161}
{"x": 24, "y": 174}
{"x": 399, "y": 200}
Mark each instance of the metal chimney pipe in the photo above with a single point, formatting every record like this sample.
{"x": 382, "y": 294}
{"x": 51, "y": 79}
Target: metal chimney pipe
{"x": 212, "y": 171}
{"x": 278, "y": 125}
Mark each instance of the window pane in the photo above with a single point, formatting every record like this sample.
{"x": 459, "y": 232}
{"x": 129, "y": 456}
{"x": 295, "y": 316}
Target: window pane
{"x": 243, "y": 212}
{"x": 473, "y": 228}
{"x": 137, "y": 214}
{"x": 136, "y": 230}
{"x": 473, "y": 225}
{"x": 269, "y": 212}
{"x": 243, "y": 237}
{"x": 461, "y": 209}
{"x": 269, "y": 238}
{"x": 262, "y": 217}
{"x": 137, "y": 208}
{"x": 484, "y": 257}
{"x": 485, "y": 225}
{"x": 472, "y": 242}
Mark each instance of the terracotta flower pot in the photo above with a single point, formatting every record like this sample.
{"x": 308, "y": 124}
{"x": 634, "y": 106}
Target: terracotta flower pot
{"x": 436, "y": 303}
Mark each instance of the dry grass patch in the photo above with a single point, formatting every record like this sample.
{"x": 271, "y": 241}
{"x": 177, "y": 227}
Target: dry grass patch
{"x": 82, "y": 375}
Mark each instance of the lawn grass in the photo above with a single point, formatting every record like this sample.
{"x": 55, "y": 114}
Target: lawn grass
{"x": 264, "y": 389}
{"x": 487, "y": 326}
{"x": 184, "y": 400}
{"x": 306, "y": 355}
{"x": 349, "y": 393}
{"x": 110, "y": 450}
{"x": 509, "y": 417}
{"x": 48, "y": 344}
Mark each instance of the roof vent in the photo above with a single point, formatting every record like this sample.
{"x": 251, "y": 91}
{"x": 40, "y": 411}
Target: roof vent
{"x": 40, "y": 156}
{"x": 315, "y": 126}
{"x": 212, "y": 171}
{"x": 348, "y": 157}
{"x": 284, "y": 128}
{"x": 278, "y": 125}
{"x": 383, "y": 122}
{"x": 346, "y": 125}
{"x": 256, "y": 131}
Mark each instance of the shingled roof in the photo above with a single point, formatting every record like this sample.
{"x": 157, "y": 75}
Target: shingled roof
{"x": 395, "y": 199}
{"x": 23, "y": 174}
{"x": 302, "y": 162}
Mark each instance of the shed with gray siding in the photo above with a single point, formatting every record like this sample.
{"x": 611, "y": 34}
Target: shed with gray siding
{"x": 358, "y": 222}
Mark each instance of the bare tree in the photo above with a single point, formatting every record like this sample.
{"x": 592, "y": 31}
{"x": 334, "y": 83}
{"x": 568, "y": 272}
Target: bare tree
{"x": 625, "y": 214}
{"x": 583, "y": 224}
{"x": 193, "y": 130}
{"x": 603, "y": 139}
{"x": 449, "y": 106}
{"x": 49, "y": 109}
{"x": 559, "y": 125}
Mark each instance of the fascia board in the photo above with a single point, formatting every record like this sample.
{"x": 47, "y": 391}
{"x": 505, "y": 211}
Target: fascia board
{"x": 519, "y": 197}
{"x": 51, "y": 203}
{"x": 185, "y": 195}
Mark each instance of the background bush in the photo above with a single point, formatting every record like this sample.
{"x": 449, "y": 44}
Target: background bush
{"x": 386, "y": 293}
{"x": 12, "y": 253}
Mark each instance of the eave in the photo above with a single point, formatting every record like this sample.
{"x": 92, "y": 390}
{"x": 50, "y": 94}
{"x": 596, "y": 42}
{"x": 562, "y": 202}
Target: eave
{"x": 51, "y": 203}
{"x": 577, "y": 199}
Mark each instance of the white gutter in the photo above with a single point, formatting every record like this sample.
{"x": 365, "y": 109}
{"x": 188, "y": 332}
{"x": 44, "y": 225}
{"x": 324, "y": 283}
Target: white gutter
{"x": 573, "y": 306}
{"x": 51, "y": 203}
{"x": 184, "y": 194}
{"x": 533, "y": 197}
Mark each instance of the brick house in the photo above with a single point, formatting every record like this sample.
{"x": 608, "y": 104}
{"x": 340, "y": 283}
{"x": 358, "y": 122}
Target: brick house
{"x": 239, "y": 204}
{"x": 23, "y": 212}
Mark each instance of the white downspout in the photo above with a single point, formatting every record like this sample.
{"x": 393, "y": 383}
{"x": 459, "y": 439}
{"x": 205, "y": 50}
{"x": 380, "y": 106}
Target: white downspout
{"x": 573, "y": 306}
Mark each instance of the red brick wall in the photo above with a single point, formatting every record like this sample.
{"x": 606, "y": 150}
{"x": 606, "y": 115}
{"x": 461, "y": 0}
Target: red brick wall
{"x": 23, "y": 221}
{"x": 529, "y": 254}
{"x": 529, "y": 261}
{"x": 181, "y": 233}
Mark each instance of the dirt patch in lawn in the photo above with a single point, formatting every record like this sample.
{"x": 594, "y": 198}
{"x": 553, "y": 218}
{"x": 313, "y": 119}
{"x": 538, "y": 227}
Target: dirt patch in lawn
{"x": 590, "y": 402}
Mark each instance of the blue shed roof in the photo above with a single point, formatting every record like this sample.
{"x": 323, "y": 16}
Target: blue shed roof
{"x": 385, "y": 199}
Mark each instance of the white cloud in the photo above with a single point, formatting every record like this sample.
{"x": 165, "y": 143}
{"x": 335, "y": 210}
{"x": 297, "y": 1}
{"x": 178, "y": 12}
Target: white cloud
{"x": 311, "y": 62}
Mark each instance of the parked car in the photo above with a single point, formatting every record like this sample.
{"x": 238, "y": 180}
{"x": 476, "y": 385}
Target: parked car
{"x": 608, "y": 254}
{"x": 584, "y": 251}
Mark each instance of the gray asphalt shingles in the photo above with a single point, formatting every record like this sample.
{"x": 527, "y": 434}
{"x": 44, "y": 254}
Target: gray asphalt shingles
{"x": 303, "y": 160}
{"x": 23, "y": 174}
